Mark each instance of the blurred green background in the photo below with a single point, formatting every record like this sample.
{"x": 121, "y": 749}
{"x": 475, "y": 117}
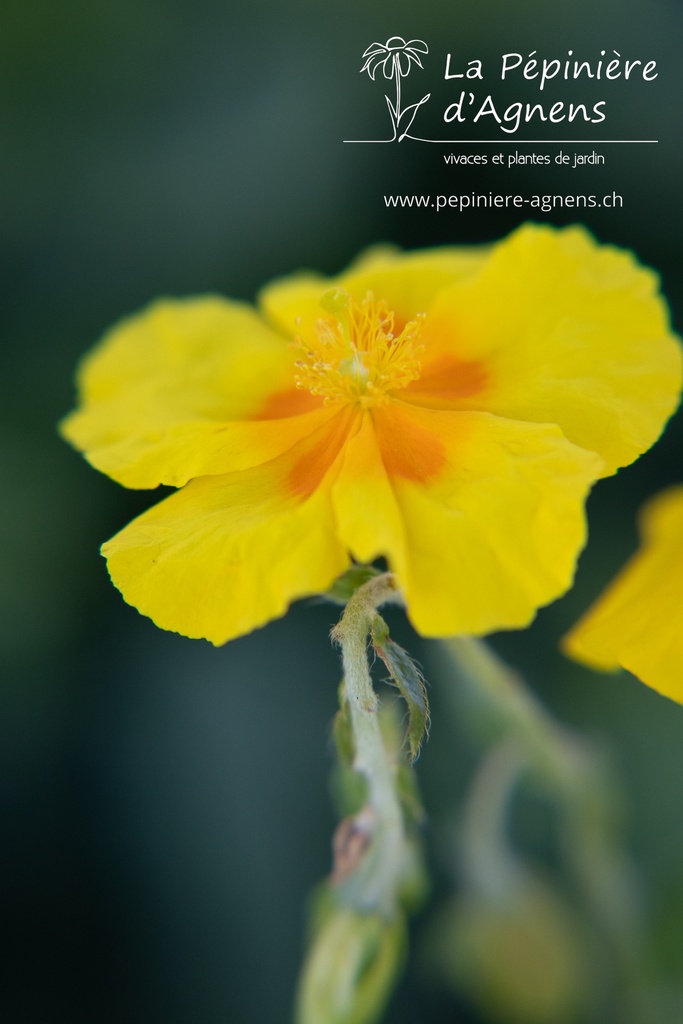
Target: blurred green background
{"x": 165, "y": 804}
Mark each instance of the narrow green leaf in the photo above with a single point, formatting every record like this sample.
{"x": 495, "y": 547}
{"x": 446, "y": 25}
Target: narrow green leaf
{"x": 409, "y": 681}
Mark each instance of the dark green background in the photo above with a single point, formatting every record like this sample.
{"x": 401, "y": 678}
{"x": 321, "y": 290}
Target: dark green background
{"x": 165, "y": 803}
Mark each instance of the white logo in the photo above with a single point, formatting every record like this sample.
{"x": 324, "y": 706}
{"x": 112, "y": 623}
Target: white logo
{"x": 396, "y": 57}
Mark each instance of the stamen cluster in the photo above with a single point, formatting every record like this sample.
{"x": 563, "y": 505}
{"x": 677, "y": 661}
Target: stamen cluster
{"x": 355, "y": 354}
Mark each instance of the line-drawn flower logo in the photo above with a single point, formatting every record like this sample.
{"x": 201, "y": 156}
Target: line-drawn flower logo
{"x": 396, "y": 58}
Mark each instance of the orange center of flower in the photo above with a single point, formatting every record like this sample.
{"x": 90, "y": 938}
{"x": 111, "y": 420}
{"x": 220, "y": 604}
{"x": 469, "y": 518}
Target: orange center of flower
{"x": 355, "y": 355}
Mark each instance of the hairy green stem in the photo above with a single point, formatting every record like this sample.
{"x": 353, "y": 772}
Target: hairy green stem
{"x": 379, "y": 876}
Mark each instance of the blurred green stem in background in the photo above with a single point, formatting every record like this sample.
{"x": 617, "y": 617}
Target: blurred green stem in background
{"x": 588, "y": 953}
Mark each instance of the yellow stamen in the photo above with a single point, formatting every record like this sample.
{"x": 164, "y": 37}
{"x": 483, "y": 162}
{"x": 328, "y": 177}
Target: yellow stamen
{"x": 354, "y": 355}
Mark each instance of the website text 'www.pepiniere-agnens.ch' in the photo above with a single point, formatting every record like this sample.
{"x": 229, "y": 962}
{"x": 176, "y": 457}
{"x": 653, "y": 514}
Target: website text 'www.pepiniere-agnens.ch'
{"x": 499, "y": 201}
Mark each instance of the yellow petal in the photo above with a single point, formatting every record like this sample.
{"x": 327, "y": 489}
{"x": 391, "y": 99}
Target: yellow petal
{"x": 292, "y": 304}
{"x": 481, "y": 518}
{"x": 228, "y": 553}
{"x": 174, "y": 454}
{"x": 410, "y": 282}
{"x": 637, "y": 623}
{"x": 369, "y": 520}
{"x": 563, "y": 331}
{"x": 407, "y": 282}
{"x": 172, "y": 376}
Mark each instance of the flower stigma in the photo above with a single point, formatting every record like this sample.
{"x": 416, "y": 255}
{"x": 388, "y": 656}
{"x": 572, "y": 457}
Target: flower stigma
{"x": 354, "y": 354}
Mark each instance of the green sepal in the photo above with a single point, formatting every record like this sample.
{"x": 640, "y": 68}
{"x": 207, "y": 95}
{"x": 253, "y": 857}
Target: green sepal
{"x": 405, "y": 675}
{"x": 349, "y": 788}
{"x": 346, "y": 586}
{"x": 342, "y": 731}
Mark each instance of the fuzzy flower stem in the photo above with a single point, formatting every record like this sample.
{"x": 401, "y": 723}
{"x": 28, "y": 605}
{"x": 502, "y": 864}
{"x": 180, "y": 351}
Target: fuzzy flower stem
{"x": 372, "y": 759}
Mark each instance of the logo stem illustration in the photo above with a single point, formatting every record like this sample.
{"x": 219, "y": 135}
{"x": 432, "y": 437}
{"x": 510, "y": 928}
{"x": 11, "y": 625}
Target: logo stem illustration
{"x": 397, "y": 72}
{"x": 396, "y": 58}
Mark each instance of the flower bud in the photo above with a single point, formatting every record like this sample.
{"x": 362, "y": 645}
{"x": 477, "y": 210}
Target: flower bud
{"x": 350, "y": 969}
{"x": 519, "y": 961}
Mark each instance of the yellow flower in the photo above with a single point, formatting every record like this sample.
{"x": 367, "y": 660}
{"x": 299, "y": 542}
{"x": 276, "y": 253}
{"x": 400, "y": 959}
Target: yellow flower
{"x": 447, "y": 409}
{"x": 637, "y": 623}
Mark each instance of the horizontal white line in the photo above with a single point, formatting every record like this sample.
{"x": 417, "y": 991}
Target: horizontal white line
{"x": 519, "y": 142}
